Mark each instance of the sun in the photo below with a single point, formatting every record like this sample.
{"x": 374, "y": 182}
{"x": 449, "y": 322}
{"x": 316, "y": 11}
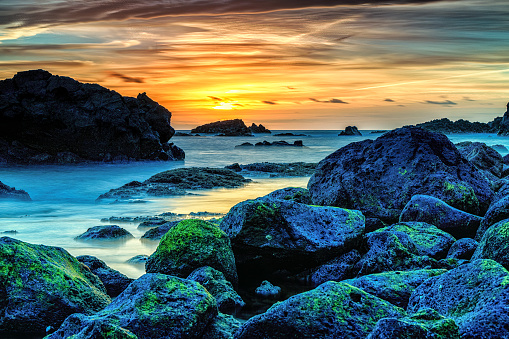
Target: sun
{"x": 224, "y": 105}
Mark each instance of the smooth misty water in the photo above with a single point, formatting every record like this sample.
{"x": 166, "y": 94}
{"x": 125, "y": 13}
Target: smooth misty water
{"x": 64, "y": 204}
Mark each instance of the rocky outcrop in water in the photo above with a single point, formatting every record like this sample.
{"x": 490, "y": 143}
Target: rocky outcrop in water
{"x": 265, "y": 143}
{"x": 230, "y": 128}
{"x": 7, "y": 192}
{"x": 46, "y": 118}
{"x": 105, "y": 232}
{"x": 504, "y": 123}
{"x": 259, "y": 129}
{"x": 447, "y": 126}
{"x": 351, "y": 130}
{"x": 293, "y": 169}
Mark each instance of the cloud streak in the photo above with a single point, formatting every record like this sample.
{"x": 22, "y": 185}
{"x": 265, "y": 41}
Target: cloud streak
{"x": 330, "y": 101}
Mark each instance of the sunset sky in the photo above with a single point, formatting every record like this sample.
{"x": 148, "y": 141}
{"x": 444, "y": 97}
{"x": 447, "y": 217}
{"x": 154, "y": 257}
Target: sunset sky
{"x": 288, "y": 64}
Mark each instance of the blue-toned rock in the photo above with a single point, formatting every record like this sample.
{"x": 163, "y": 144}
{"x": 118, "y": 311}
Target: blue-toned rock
{"x": 158, "y": 232}
{"x": 436, "y": 212}
{"x": 266, "y": 289}
{"x": 494, "y": 244}
{"x": 484, "y": 158}
{"x": 106, "y": 232}
{"x": 462, "y": 249}
{"x": 337, "y": 269}
{"x": 474, "y": 295}
{"x": 498, "y": 211}
{"x": 379, "y": 177}
{"x": 332, "y": 310}
{"x": 223, "y": 326}
{"x": 7, "y": 192}
{"x": 297, "y": 194}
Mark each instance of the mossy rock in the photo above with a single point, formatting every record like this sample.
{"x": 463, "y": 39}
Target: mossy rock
{"x": 153, "y": 306}
{"x": 494, "y": 244}
{"x": 41, "y": 285}
{"x": 191, "y": 244}
{"x": 223, "y": 326}
{"x": 498, "y": 211}
{"x": 77, "y": 326}
{"x": 332, "y": 310}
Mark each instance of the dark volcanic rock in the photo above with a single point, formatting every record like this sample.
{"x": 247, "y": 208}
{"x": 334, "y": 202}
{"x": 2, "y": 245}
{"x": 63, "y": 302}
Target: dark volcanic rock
{"x": 280, "y": 143}
{"x": 153, "y": 306}
{"x": 258, "y": 129}
{"x": 483, "y": 157}
{"x": 504, "y": 123}
{"x": 176, "y": 182}
{"x": 41, "y": 285}
{"x": 445, "y": 125}
{"x": 158, "y": 232}
{"x": 114, "y": 281}
{"x": 350, "y": 130}
{"x": 192, "y": 244}
{"x": 267, "y": 290}
{"x": 332, "y": 310}
{"x": 394, "y": 286}
{"x": 436, "y": 212}
{"x": 292, "y": 169}
{"x": 223, "y": 326}
{"x": 234, "y": 127}
{"x": 269, "y": 235}
{"x": 337, "y": 269}
{"x": 498, "y": 211}
{"x": 107, "y": 232}
{"x": 52, "y": 119}
{"x": 290, "y": 135}
{"x": 494, "y": 244}
{"x": 138, "y": 259}
{"x": 7, "y": 192}
{"x": 462, "y": 249}
{"x": 379, "y": 177}
{"x": 77, "y": 326}
{"x": 474, "y": 295}
{"x": 297, "y": 194}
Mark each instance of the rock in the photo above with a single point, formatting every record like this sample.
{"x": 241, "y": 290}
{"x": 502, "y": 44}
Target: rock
{"x": 290, "y": 135}
{"x": 426, "y": 323}
{"x": 498, "y": 211}
{"x": 78, "y": 327}
{"x": 270, "y": 235}
{"x": 267, "y": 290}
{"x": 394, "y": 286}
{"x": 484, "y": 158}
{"x": 244, "y": 144}
{"x": 138, "y": 259}
{"x": 462, "y": 249}
{"x": 235, "y": 166}
{"x": 106, "y": 232}
{"x": 436, "y": 212}
{"x": 152, "y": 223}
{"x": 114, "y": 281}
{"x": 504, "y": 123}
{"x": 233, "y": 128}
{"x": 7, "y": 192}
{"x": 337, "y": 269}
{"x": 494, "y": 244}
{"x": 500, "y": 148}
{"x": 176, "y": 182}
{"x": 223, "y": 326}
{"x": 447, "y": 126}
{"x": 228, "y": 301}
{"x": 379, "y": 177}
{"x": 293, "y": 169}
{"x": 158, "y": 232}
{"x": 41, "y": 285}
{"x": 258, "y": 129}
{"x": 379, "y": 131}
{"x": 153, "y": 306}
{"x": 192, "y": 244}
{"x": 350, "y": 130}
{"x": 505, "y": 159}
{"x": 474, "y": 295}
{"x": 332, "y": 310}
{"x": 52, "y": 119}
{"x": 296, "y": 194}
{"x": 280, "y": 143}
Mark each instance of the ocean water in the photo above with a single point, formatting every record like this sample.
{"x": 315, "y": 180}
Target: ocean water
{"x": 64, "y": 197}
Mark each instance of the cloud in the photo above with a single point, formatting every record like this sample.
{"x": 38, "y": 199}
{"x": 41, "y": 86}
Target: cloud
{"x": 444, "y": 103}
{"x": 468, "y": 99}
{"x": 126, "y": 78}
{"x": 269, "y": 102}
{"x": 333, "y": 101}
{"x": 389, "y": 100}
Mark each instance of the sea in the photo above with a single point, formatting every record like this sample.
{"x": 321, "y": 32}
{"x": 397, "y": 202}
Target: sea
{"x": 64, "y": 197}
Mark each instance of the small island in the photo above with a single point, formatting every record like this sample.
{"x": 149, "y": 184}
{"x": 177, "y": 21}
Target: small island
{"x": 230, "y": 128}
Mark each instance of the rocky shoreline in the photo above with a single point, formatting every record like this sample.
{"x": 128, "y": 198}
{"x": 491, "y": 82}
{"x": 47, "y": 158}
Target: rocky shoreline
{"x": 410, "y": 243}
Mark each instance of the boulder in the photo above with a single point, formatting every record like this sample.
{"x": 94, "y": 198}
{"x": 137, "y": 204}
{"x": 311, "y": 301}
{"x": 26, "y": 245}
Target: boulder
{"x": 46, "y": 118}
{"x": 138, "y": 259}
{"x": 297, "y": 194}
{"x": 78, "y": 326}
{"x": 228, "y": 301}
{"x": 484, "y": 158}
{"x": 425, "y": 324}
{"x": 270, "y": 235}
{"x": 114, "y": 281}
{"x": 337, "y": 269}
{"x": 436, "y": 212}
{"x": 394, "y": 286}
{"x": 235, "y": 127}
{"x": 223, "y": 326}
{"x": 350, "y": 130}
{"x": 332, "y": 310}
{"x": 106, "y": 232}
{"x": 7, "y": 192}
{"x": 158, "y": 232}
{"x": 192, "y": 244}
{"x": 280, "y": 143}
{"x": 153, "y": 306}
{"x": 380, "y": 176}
{"x": 267, "y": 290}
{"x": 293, "y": 169}
{"x": 41, "y": 285}
{"x": 474, "y": 295}
{"x": 494, "y": 244}
{"x": 498, "y": 211}
{"x": 462, "y": 249}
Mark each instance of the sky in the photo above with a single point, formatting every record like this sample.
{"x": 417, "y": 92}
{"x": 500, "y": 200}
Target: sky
{"x": 288, "y": 64}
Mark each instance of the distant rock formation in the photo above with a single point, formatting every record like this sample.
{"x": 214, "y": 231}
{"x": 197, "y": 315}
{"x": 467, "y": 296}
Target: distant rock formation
{"x": 504, "y": 123}
{"x": 290, "y": 135}
{"x": 445, "y": 125}
{"x": 350, "y": 130}
{"x": 235, "y": 127}
{"x": 280, "y": 143}
{"x": 7, "y": 192}
{"x": 46, "y": 118}
{"x": 259, "y": 129}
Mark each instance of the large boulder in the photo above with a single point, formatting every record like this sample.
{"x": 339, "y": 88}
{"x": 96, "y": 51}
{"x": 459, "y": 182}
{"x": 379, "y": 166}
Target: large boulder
{"x": 379, "y": 177}
{"x": 463, "y": 248}
{"x": 484, "y": 158}
{"x": 114, "y": 281}
{"x": 41, "y": 285}
{"x": 223, "y": 326}
{"x": 48, "y": 118}
{"x": 494, "y": 244}
{"x": 394, "y": 286}
{"x": 332, "y": 310}
{"x": 436, "y": 212}
{"x": 337, "y": 269}
{"x": 191, "y": 244}
{"x": 7, "y": 192}
{"x": 297, "y": 194}
{"x": 235, "y": 127}
{"x": 153, "y": 306}
{"x": 498, "y": 211}
{"x": 474, "y": 295}
{"x": 270, "y": 235}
